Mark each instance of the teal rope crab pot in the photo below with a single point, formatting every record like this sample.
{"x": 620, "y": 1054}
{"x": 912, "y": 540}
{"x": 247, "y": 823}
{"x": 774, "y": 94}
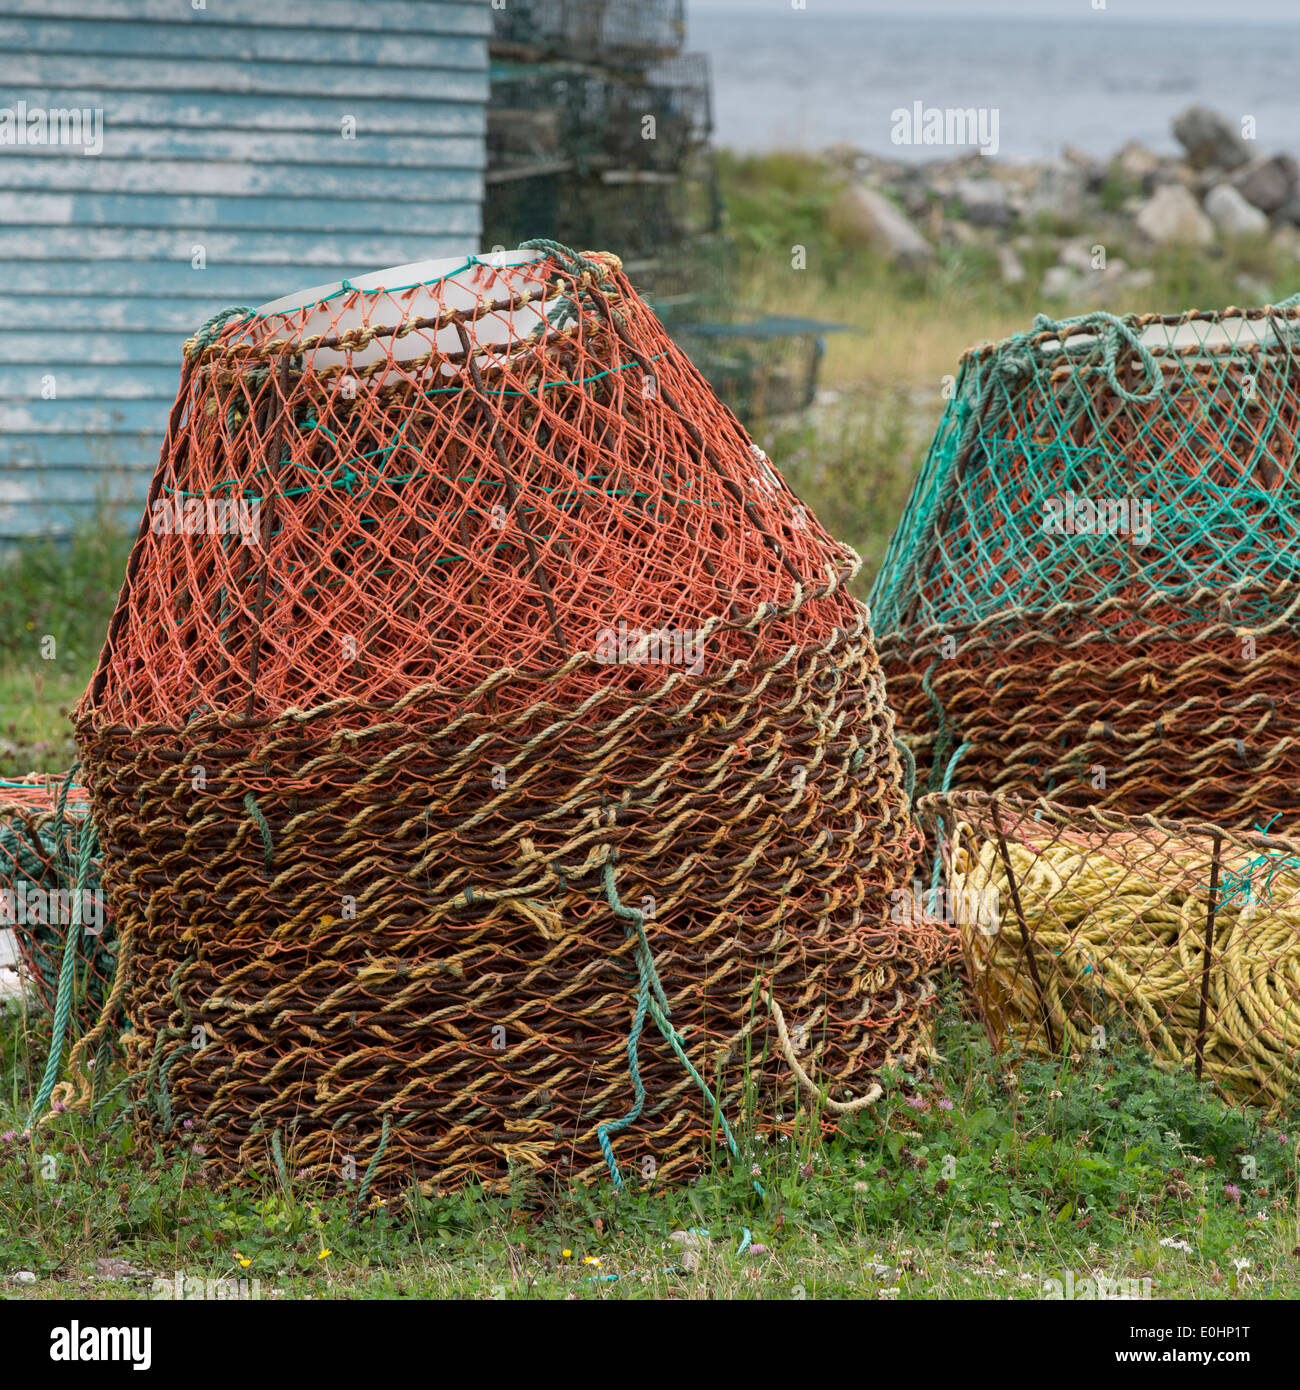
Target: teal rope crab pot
{"x": 1093, "y": 590}
{"x": 496, "y": 778}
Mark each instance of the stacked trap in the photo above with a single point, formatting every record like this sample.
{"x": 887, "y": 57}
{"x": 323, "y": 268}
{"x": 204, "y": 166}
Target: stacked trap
{"x": 50, "y": 897}
{"x": 1083, "y": 930}
{"x": 1092, "y": 593}
{"x": 493, "y": 772}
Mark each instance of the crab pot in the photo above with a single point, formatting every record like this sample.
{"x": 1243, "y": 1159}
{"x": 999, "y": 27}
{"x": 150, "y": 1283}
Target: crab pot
{"x": 492, "y": 767}
{"x": 1092, "y": 593}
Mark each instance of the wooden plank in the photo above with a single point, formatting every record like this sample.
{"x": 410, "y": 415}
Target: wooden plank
{"x": 241, "y": 43}
{"x": 472, "y": 17}
{"x": 422, "y": 112}
{"x": 216, "y": 286}
{"x": 26, "y": 382}
{"x": 77, "y": 174}
{"x": 159, "y": 210}
{"x": 287, "y": 147}
{"x": 76, "y": 349}
{"x": 131, "y": 450}
{"x": 344, "y": 83}
{"x": 37, "y": 419}
{"x": 32, "y": 519}
{"x": 91, "y": 312}
{"x": 87, "y": 244}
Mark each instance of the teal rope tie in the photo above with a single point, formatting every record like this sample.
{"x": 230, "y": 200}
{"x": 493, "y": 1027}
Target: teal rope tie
{"x": 372, "y": 1166}
{"x": 943, "y": 738}
{"x": 254, "y": 810}
{"x": 909, "y": 767}
{"x": 86, "y": 847}
{"x": 567, "y": 307}
{"x": 208, "y": 332}
{"x": 938, "y": 832}
{"x": 651, "y": 999}
{"x": 1114, "y": 333}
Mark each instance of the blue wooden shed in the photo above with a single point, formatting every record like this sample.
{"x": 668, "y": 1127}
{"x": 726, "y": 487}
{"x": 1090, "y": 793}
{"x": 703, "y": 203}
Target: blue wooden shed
{"x": 247, "y": 148}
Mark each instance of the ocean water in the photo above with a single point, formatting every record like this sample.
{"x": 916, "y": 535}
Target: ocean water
{"x": 1056, "y": 73}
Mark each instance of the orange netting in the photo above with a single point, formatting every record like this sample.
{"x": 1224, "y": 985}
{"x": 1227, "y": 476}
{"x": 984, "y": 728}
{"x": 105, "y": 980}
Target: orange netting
{"x": 440, "y": 498}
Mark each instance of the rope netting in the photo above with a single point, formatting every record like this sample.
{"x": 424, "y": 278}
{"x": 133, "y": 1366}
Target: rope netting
{"x": 1085, "y": 929}
{"x": 525, "y": 790}
{"x": 498, "y": 472}
{"x": 42, "y": 820}
{"x": 1093, "y": 588}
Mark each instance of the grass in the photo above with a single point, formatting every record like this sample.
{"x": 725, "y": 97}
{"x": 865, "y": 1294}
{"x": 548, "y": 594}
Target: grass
{"x": 56, "y": 598}
{"x": 985, "y": 1184}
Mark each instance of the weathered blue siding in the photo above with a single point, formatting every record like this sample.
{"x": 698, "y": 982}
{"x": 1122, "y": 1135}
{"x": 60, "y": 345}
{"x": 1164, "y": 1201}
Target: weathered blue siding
{"x": 222, "y": 130}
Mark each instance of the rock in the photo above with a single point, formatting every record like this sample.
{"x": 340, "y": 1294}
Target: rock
{"x": 693, "y": 1244}
{"x": 1232, "y": 214}
{"x": 1287, "y": 240}
{"x": 690, "y": 1240}
{"x": 876, "y": 221}
{"x": 1058, "y": 193}
{"x": 24, "y": 1276}
{"x": 1289, "y": 213}
{"x": 1078, "y": 255}
{"x": 1010, "y": 267}
{"x": 984, "y": 202}
{"x": 1210, "y": 139}
{"x": 1137, "y": 163}
{"x": 1172, "y": 215}
{"x": 1267, "y": 183}
{"x": 1061, "y": 282}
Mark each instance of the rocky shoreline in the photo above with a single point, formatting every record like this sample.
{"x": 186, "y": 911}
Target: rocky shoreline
{"x": 1219, "y": 192}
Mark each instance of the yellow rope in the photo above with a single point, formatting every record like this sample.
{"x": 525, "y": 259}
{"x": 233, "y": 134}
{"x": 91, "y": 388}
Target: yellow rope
{"x": 1117, "y": 931}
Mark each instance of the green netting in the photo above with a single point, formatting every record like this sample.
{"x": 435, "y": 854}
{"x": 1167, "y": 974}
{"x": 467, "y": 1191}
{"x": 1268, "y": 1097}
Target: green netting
{"x": 1099, "y": 460}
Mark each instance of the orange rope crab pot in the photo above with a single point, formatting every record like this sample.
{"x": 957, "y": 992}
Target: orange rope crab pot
{"x": 492, "y": 768}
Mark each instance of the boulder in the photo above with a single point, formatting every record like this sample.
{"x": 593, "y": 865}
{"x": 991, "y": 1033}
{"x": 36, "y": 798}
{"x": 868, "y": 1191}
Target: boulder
{"x": 1232, "y": 214}
{"x": 1172, "y": 215}
{"x": 1211, "y": 140}
{"x": 1137, "y": 163}
{"x": 1061, "y": 282}
{"x": 1267, "y": 183}
{"x": 1058, "y": 192}
{"x": 877, "y": 222}
{"x": 1010, "y": 267}
{"x": 984, "y": 202}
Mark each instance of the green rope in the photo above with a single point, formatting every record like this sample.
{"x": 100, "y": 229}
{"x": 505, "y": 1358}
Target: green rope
{"x": 651, "y": 998}
{"x": 909, "y": 767}
{"x": 203, "y": 338}
{"x": 254, "y": 810}
{"x": 86, "y": 848}
{"x": 373, "y": 1165}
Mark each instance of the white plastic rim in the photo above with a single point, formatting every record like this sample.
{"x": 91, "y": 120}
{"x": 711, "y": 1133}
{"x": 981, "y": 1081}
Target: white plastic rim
{"x": 410, "y": 290}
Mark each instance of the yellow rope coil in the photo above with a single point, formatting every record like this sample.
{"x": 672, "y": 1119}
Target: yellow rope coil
{"x": 1116, "y": 928}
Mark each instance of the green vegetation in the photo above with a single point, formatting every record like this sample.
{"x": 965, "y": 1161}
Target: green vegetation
{"x": 984, "y": 1183}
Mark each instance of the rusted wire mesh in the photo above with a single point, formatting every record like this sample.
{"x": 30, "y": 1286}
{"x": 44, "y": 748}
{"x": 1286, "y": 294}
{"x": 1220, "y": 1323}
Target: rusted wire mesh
{"x": 40, "y": 825}
{"x": 526, "y": 791}
{"x": 1084, "y": 928}
{"x": 1093, "y": 591}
